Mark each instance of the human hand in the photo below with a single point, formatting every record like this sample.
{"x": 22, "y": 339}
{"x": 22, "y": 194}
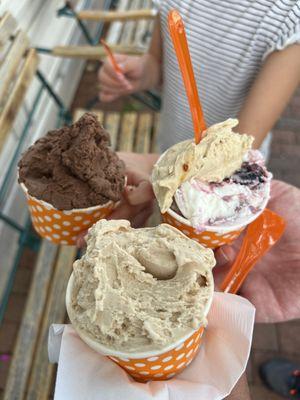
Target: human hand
{"x": 139, "y": 73}
{"x": 137, "y": 202}
{"x": 273, "y": 285}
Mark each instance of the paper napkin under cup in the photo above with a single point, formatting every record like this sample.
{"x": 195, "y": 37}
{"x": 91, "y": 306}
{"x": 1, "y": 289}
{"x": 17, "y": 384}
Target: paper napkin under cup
{"x": 84, "y": 374}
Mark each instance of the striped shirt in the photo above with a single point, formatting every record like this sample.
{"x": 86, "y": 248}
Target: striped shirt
{"x": 228, "y": 41}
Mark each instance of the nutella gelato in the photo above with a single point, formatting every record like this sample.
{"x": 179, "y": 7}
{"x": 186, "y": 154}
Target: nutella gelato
{"x": 140, "y": 289}
{"x": 73, "y": 167}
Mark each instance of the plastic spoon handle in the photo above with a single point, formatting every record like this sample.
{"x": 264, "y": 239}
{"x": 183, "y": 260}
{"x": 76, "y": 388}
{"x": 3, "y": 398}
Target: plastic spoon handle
{"x": 180, "y": 43}
{"x": 110, "y": 55}
{"x": 261, "y": 235}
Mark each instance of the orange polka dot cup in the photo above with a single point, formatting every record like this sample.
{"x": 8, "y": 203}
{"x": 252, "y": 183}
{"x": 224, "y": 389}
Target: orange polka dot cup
{"x": 63, "y": 227}
{"x": 212, "y": 236}
{"x": 152, "y": 365}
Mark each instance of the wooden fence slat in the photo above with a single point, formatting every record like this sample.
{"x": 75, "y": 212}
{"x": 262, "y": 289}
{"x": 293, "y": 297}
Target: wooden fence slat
{"x": 128, "y": 127}
{"x": 7, "y": 27}
{"x": 42, "y": 371}
{"x": 143, "y": 136}
{"x": 8, "y": 113}
{"x": 141, "y": 26}
{"x": 149, "y": 31}
{"x": 110, "y": 16}
{"x": 100, "y": 115}
{"x": 11, "y": 63}
{"x": 112, "y": 123}
{"x": 115, "y": 29}
{"x": 154, "y": 145}
{"x": 80, "y": 111}
{"x": 94, "y": 52}
{"x": 29, "y": 330}
{"x": 129, "y": 28}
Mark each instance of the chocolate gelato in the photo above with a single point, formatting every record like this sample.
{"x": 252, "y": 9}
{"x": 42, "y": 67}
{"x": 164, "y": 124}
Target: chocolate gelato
{"x": 73, "y": 167}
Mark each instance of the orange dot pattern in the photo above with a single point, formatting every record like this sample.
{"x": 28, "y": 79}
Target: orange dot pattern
{"x": 63, "y": 227}
{"x": 165, "y": 365}
{"x": 208, "y": 239}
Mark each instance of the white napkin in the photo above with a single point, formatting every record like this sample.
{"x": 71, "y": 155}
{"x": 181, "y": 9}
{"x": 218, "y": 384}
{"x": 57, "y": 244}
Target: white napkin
{"x": 85, "y": 375}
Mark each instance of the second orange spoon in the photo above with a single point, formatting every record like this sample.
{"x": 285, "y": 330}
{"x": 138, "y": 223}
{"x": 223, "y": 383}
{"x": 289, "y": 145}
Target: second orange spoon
{"x": 261, "y": 235}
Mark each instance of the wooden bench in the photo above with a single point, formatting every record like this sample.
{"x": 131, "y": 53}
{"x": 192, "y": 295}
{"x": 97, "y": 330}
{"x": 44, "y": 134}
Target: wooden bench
{"x": 31, "y": 376}
{"x": 18, "y": 66}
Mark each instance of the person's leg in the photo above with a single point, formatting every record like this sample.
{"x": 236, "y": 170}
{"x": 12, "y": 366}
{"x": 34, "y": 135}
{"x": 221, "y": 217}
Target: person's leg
{"x": 282, "y": 376}
{"x": 240, "y": 391}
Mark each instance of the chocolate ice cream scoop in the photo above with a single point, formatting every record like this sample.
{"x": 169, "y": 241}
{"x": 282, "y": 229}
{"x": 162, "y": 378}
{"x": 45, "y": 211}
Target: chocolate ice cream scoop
{"x": 73, "y": 167}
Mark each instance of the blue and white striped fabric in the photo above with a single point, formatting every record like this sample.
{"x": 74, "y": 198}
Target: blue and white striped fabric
{"x": 228, "y": 41}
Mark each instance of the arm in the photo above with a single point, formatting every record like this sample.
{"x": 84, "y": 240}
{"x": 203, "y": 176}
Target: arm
{"x": 240, "y": 391}
{"x": 270, "y": 93}
{"x": 155, "y": 48}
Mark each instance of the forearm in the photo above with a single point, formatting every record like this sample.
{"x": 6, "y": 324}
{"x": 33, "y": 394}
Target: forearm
{"x": 240, "y": 391}
{"x": 155, "y": 48}
{"x": 270, "y": 93}
{"x": 154, "y": 56}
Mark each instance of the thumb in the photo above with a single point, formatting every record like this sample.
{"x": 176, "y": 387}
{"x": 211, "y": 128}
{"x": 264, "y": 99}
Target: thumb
{"x": 225, "y": 255}
{"x": 142, "y": 193}
{"x": 126, "y": 68}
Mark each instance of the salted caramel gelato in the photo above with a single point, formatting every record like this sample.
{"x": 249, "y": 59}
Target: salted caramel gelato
{"x": 218, "y": 155}
{"x": 140, "y": 289}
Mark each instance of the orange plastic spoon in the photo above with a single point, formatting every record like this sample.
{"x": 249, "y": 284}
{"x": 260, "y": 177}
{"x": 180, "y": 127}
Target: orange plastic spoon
{"x": 110, "y": 55}
{"x": 177, "y": 31}
{"x": 261, "y": 235}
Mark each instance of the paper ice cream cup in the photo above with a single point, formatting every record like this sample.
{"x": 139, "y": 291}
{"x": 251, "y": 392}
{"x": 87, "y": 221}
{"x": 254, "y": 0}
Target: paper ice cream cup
{"x": 63, "y": 227}
{"x": 214, "y": 236}
{"x": 158, "y": 365}
{"x": 211, "y": 237}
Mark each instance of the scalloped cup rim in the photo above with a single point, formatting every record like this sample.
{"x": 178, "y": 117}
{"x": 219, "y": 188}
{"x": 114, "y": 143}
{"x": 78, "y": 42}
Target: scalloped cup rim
{"x": 102, "y": 349}
{"x": 72, "y": 210}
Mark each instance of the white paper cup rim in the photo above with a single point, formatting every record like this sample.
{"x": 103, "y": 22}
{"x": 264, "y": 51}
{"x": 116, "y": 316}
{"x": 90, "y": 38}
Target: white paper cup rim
{"x": 228, "y": 227}
{"x": 73, "y": 210}
{"x": 100, "y": 348}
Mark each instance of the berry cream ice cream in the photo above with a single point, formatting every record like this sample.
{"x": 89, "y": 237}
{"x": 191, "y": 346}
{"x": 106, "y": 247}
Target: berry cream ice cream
{"x": 140, "y": 289}
{"x": 73, "y": 167}
{"x": 218, "y": 182}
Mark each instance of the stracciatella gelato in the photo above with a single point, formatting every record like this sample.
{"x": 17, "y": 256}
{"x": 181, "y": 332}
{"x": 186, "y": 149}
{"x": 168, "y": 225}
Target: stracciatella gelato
{"x": 140, "y": 289}
{"x": 219, "y": 181}
{"x": 233, "y": 200}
